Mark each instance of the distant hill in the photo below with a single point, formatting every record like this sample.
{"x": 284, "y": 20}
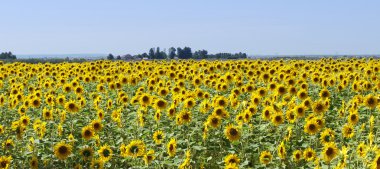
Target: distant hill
{"x": 71, "y": 56}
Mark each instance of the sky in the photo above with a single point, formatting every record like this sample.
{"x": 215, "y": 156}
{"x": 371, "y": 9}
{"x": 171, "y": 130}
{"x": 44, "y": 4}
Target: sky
{"x": 256, "y": 27}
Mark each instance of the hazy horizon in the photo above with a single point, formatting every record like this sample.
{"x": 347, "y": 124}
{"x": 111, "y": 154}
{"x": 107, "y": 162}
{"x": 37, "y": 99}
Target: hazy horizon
{"x": 128, "y": 27}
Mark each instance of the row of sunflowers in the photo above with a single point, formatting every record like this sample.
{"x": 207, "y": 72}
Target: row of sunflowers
{"x": 191, "y": 114}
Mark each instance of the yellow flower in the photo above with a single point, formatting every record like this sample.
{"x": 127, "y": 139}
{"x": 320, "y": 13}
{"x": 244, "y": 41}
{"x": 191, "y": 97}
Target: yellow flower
{"x": 87, "y": 132}
{"x": 265, "y": 157}
{"x": 309, "y": 154}
{"x": 231, "y": 159}
{"x": 232, "y": 132}
{"x": 71, "y": 106}
{"x": 62, "y": 150}
{"x": 348, "y": 131}
{"x": 158, "y": 136}
{"x": 281, "y": 151}
{"x": 105, "y": 153}
{"x": 297, "y": 155}
{"x": 311, "y": 127}
{"x": 136, "y": 148}
{"x": 172, "y": 147}
{"x": 329, "y": 152}
{"x": 149, "y": 157}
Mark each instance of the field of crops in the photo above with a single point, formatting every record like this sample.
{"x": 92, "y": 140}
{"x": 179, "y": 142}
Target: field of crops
{"x": 191, "y": 114}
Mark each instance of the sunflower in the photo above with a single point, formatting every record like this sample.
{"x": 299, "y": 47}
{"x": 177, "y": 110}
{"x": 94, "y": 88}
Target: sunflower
{"x": 67, "y": 88}
{"x": 145, "y": 100}
{"x": 214, "y": 121}
{"x": 1, "y": 129}
{"x": 309, "y": 154}
{"x": 97, "y": 125}
{"x": 362, "y": 150}
{"x": 300, "y": 111}
{"x": 376, "y": 162}
{"x": 136, "y": 148}
{"x": 62, "y": 150}
{"x": 105, "y": 153}
{"x": 160, "y": 104}
{"x": 348, "y": 131}
{"x": 158, "y": 136}
{"x": 71, "y": 106}
{"x": 297, "y": 155}
{"x": 329, "y": 152}
{"x": 319, "y": 107}
{"x": 86, "y": 153}
{"x": 265, "y": 157}
{"x": 281, "y": 151}
{"x": 88, "y": 132}
{"x": 277, "y": 119}
{"x": 220, "y": 112}
{"x": 324, "y": 93}
{"x": 261, "y": 91}
{"x": 231, "y": 159}
{"x": 36, "y": 102}
{"x": 172, "y": 147}
{"x": 267, "y": 112}
{"x": 5, "y": 161}
{"x": 24, "y": 120}
{"x": 371, "y": 101}
{"x": 47, "y": 114}
{"x": 353, "y": 118}
{"x": 327, "y": 136}
{"x": 311, "y": 127}
{"x": 220, "y": 102}
{"x": 281, "y": 90}
{"x": 97, "y": 163}
{"x": 189, "y": 103}
{"x": 149, "y": 157}
{"x": 232, "y": 132}
{"x": 8, "y": 144}
{"x": 33, "y": 163}
{"x": 291, "y": 116}
{"x": 184, "y": 117}
{"x": 100, "y": 114}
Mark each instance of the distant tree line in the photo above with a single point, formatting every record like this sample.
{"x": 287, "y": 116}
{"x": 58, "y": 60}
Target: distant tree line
{"x": 7, "y": 55}
{"x": 180, "y": 53}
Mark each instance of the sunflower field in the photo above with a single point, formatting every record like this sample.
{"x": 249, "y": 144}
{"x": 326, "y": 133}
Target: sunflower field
{"x": 191, "y": 114}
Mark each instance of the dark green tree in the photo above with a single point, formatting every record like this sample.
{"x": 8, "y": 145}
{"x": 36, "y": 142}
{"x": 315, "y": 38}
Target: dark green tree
{"x": 110, "y": 57}
{"x": 151, "y": 54}
{"x": 172, "y": 51}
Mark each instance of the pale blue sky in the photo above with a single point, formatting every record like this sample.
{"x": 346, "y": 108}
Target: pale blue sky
{"x": 251, "y": 26}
